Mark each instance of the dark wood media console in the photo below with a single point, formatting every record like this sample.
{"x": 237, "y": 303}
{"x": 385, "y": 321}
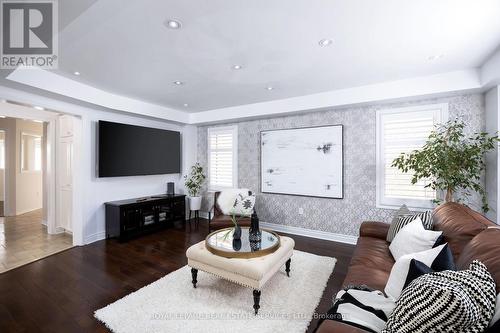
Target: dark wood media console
{"x": 133, "y": 217}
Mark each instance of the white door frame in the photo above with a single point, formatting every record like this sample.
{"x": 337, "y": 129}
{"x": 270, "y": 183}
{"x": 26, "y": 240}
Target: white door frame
{"x": 24, "y": 112}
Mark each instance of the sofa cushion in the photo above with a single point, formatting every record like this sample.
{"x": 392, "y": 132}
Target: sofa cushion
{"x": 371, "y": 263}
{"x": 413, "y": 238}
{"x": 459, "y": 225}
{"x": 403, "y": 220}
{"x": 227, "y": 198}
{"x": 485, "y": 247}
{"x": 399, "y": 272}
{"x": 448, "y": 301}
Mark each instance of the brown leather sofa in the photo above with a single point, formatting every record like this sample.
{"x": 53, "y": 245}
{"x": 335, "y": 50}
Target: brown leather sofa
{"x": 217, "y": 219}
{"x": 469, "y": 234}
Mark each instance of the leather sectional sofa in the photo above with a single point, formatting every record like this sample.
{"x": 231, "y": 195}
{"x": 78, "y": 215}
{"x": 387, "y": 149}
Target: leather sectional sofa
{"x": 469, "y": 234}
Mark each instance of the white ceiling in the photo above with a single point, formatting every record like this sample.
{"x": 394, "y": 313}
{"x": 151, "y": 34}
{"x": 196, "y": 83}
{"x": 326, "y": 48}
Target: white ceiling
{"x": 123, "y": 47}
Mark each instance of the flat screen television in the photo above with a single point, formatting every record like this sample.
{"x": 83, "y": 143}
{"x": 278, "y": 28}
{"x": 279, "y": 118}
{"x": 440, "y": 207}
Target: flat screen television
{"x": 127, "y": 150}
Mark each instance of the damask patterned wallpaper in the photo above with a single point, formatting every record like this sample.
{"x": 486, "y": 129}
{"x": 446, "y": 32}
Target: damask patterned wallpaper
{"x": 342, "y": 216}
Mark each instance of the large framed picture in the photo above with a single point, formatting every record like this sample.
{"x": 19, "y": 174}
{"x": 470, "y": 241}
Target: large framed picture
{"x": 303, "y": 161}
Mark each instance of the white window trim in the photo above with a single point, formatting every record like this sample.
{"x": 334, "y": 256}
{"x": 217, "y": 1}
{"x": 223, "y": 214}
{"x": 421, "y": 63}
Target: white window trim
{"x": 234, "y": 129}
{"x": 395, "y": 203}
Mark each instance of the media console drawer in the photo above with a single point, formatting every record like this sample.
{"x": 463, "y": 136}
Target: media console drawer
{"x": 126, "y": 219}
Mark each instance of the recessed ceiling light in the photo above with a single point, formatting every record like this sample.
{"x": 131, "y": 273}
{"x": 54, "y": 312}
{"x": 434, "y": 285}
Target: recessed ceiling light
{"x": 178, "y": 83}
{"x": 173, "y": 24}
{"x": 38, "y": 108}
{"x": 38, "y": 121}
{"x": 185, "y": 105}
{"x": 435, "y": 57}
{"x": 269, "y": 88}
{"x": 76, "y": 73}
{"x": 325, "y": 42}
{"x": 237, "y": 67}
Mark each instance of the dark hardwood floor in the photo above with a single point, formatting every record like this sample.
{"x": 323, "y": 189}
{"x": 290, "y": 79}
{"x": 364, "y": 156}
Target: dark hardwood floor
{"x": 60, "y": 293}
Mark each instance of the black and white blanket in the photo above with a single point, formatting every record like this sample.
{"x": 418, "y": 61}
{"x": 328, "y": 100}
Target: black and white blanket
{"x": 362, "y": 307}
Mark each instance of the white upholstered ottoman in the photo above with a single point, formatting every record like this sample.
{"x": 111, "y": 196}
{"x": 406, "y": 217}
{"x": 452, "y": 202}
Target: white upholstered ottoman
{"x": 252, "y": 273}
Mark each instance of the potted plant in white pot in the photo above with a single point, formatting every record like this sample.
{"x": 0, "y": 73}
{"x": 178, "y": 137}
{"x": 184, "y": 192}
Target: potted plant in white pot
{"x": 193, "y": 182}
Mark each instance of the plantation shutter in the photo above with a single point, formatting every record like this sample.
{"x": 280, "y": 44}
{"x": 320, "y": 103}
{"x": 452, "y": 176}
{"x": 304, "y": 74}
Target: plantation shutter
{"x": 403, "y": 132}
{"x": 222, "y": 157}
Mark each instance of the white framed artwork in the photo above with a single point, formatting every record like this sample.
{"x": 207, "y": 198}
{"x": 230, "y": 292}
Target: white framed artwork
{"x": 303, "y": 161}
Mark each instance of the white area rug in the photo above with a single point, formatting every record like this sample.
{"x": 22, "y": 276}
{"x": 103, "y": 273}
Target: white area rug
{"x": 171, "y": 304}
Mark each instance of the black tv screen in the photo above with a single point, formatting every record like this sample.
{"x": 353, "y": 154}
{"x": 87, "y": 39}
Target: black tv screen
{"x": 127, "y": 150}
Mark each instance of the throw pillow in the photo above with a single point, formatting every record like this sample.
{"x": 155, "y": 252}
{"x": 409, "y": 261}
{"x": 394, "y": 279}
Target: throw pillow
{"x": 399, "y": 271}
{"x": 243, "y": 205}
{"x": 402, "y": 211}
{"x": 403, "y": 220}
{"x": 226, "y": 199}
{"x": 413, "y": 238}
{"x": 448, "y": 301}
{"x": 495, "y": 321}
{"x": 444, "y": 261}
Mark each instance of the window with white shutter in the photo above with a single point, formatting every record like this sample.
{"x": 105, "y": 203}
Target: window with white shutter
{"x": 402, "y": 131}
{"x": 222, "y": 157}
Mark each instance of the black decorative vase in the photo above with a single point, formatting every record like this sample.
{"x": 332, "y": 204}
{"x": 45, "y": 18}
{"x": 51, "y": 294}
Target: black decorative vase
{"x": 254, "y": 234}
{"x": 236, "y": 244}
{"x": 237, "y": 233}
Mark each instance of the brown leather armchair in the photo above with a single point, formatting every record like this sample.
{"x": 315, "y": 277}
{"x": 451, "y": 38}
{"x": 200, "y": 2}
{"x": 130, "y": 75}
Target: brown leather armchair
{"x": 217, "y": 219}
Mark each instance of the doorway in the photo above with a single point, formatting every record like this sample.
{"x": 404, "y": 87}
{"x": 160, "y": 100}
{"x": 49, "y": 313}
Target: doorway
{"x": 29, "y": 212}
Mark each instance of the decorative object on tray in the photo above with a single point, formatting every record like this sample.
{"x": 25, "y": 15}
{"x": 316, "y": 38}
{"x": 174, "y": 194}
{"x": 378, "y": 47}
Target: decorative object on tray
{"x": 237, "y": 228}
{"x": 303, "y": 161}
{"x": 193, "y": 182}
{"x": 220, "y": 243}
{"x": 450, "y": 161}
{"x": 254, "y": 233}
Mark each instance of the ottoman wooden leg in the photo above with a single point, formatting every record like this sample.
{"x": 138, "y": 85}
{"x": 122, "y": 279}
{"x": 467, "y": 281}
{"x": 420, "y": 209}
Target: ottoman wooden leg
{"x": 194, "y": 274}
{"x": 256, "y": 301}
{"x": 287, "y": 267}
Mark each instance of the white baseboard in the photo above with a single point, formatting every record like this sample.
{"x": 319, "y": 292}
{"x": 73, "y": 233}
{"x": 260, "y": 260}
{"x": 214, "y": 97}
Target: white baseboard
{"x": 348, "y": 239}
{"x": 95, "y": 237}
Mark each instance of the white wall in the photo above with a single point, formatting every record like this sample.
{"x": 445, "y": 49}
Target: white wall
{"x": 29, "y": 193}
{"x": 101, "y": 190}
{"x": 492, "y": 107}
{"x": 9, "y": 126}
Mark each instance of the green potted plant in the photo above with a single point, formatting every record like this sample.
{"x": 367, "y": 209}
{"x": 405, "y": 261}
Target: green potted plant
{"x": 451, "y": 161}
{"x": 193, "y": 182}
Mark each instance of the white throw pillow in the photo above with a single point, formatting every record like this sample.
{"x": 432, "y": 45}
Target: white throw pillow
{"x": 243, "y": 205}
{"x": 399, "y": 271}
{"x": 226, "y": 199}
{"x": 413, "y": 238}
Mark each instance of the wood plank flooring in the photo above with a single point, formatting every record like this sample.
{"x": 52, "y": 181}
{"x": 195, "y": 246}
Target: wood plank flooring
{"x": 24, "y": 239}
{"x": 60, "y": 293}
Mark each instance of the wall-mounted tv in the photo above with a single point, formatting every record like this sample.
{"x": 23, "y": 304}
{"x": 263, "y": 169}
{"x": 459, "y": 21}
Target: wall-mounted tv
{"x": 127, "y": 150}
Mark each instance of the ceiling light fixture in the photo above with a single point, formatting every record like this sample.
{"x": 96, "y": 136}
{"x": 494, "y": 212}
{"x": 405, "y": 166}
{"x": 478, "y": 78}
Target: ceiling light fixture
{"x": 435, "y": 57}
{"x": 178, "y": 83}
{"x": 38, "y": 108}
{"x": 38, "y": 121}
{"x": 3, "y": 117}
{"x": 236, "y": 67}
{"x": 173, "y": 24}
{"x": 325, "y": 42}
{"x": 186, "y": 105}
{"x": 269, "y": 88}
{"x": 76, "y": 73}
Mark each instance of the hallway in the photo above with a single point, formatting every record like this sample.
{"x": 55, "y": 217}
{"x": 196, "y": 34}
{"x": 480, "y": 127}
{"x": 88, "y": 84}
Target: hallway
{"x": 24, "y": 239}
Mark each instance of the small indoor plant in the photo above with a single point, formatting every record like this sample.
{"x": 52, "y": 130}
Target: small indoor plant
{"x": 193, "y": 182}
{"x": 451, "y": 161}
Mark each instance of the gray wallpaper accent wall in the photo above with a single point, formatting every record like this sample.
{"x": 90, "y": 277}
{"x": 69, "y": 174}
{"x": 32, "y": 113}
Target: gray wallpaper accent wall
{"x": 342, "y": 216}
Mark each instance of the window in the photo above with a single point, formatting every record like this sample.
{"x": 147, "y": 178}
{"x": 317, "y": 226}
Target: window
{"x": 402, "y": 131}
{"x": 31, "y": 153}
{"x": 223, "y": 157}
{"x": 2, "y": 150}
